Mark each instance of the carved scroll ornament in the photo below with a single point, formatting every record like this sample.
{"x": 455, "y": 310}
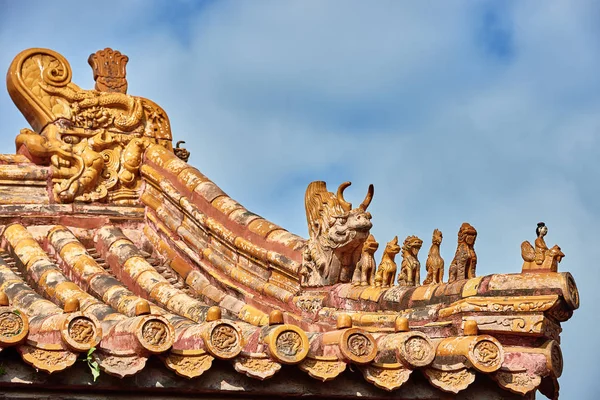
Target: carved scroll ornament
{"x": 47, "y": 360}
{"x": 323, "y": 369}
{"x": 452, "y": 381}
{"x": 387, "y": 378}
{"x": 258, "y": 366}
{"x": 520, "y": 382}
{"x": 189, "y": 366}
{"x": 92, "y": 139}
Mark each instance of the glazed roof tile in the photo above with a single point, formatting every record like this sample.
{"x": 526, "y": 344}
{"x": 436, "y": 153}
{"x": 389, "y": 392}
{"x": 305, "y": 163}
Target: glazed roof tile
{"x": 122, "y": 246}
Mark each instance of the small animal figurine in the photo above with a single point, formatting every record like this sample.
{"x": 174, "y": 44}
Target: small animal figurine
{"x": 540, "y": 258}
{"x": 465, "y": 260}
{"x": 410, "y": 268}
{"x": 434, "y": 263}
{"x": 387, "y": 268}
{"x": 364, "y": 274}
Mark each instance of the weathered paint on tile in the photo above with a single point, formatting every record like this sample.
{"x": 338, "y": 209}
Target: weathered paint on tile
{"x": 471, "y": 287}
{"x": 423, "y": 292}
{"x": 226, "y": 204}
{"x": 286, "y": 238}
{"x": 243, "y": 217}
{"x": 262, "y": 227}
{"x": 208, "y": 191}
{"x": 190, "y": 178}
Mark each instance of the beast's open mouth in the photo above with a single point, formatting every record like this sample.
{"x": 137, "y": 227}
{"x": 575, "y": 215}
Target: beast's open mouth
{"x": 363, "y": 228}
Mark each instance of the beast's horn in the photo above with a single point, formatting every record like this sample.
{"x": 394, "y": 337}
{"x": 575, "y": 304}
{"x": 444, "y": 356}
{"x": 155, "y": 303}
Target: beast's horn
{"x": 340, "y": 196}
{"x": 363, "y": 206}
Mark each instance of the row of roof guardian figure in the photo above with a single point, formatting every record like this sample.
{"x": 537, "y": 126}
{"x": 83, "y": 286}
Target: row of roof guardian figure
{"x": 367, "y": 273}
{"x": 341, "y": 249}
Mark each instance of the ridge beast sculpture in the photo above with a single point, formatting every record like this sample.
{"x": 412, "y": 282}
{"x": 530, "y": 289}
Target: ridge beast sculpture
{"x": 387, "y": 267}
{"x": 364, "y": 273}
{"x": 465, "y": 260}
{"x": 435, "y": 262}
{"x": 337, "y": 234}
{"x": 540, "y": 258}
{"x": 410, "y": 268}
{"x": 93, "y": 140}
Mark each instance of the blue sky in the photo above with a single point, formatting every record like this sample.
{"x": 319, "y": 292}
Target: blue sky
{"x": 478, "y": 111}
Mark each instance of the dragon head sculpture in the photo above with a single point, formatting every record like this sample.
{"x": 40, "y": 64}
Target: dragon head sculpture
{"x": 93, "y": 140}
{"x": 337, "y": 234}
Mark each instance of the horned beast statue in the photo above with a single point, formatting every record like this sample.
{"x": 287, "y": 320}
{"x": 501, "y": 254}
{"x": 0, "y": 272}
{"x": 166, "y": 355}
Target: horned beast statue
{"x": 337, "y": 234}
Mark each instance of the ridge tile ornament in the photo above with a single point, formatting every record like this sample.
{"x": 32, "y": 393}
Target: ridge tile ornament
{"x": 364, "y": 274}
{"x": 386, "y": 272}
{"x": 181, "y": 152}
{"x": 93, "y": 140}
{"x": 435, "y": 262}
{"x": 114, "y": 247}
{"x": 337, "y": 234}
{"x": 465, "y": 260}
{"x": 540, "y": 258}
{"x": 410, "y": 268}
